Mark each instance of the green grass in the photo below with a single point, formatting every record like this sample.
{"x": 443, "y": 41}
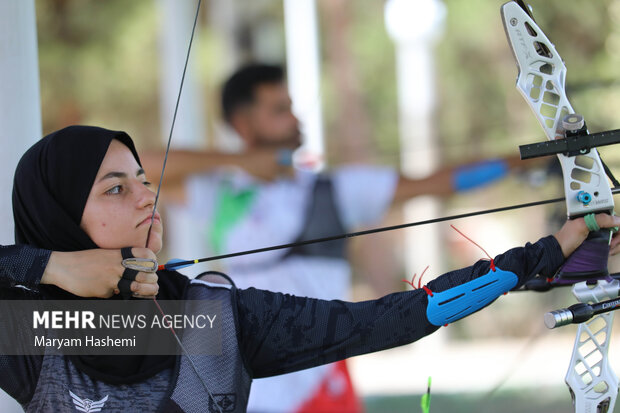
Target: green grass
{"x": 556, "y": 400}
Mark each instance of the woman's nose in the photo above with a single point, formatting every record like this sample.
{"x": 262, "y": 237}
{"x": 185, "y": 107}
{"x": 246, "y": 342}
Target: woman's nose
{"x": 146, "y": 196}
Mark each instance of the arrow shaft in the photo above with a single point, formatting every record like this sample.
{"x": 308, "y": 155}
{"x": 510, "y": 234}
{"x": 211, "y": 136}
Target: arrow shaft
{"x": 367, "y": 232}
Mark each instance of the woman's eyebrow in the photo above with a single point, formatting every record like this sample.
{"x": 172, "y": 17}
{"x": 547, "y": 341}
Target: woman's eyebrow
{"x": 110, "y": 175}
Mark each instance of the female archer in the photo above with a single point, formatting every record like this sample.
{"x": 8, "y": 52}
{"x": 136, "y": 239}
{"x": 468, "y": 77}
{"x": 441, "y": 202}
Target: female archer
{"x": 81, "y": 191}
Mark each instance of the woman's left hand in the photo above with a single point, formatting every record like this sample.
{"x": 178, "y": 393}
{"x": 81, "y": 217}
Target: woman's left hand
{"x": 575, "y": 231}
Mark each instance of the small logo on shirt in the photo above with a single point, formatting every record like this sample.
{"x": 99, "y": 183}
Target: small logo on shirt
{"x": 226, "y": 401}
{"x": 87, "y": 405}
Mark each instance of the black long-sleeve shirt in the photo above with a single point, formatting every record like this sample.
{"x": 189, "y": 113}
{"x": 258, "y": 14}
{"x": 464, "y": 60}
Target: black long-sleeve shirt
{"x": 280, "y": 333}
{"x": 22, "y": 264}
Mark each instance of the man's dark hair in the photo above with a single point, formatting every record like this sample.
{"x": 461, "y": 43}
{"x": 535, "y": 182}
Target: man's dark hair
{"x": 239, "y": 89}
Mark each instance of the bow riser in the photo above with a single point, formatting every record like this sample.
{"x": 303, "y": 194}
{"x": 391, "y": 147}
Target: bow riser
{"x": 593, "y": 384}
{"x": 541, "y": 81}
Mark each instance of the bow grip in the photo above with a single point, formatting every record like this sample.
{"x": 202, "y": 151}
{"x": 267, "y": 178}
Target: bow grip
{"x": 589, "y": 261}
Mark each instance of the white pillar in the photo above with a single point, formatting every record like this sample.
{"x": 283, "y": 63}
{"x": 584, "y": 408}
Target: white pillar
{"x": 20, "y": 111}
{"x": 302, "y": 60}
{"x": 20, "y": 105}
{"x": 414, "y": 25}
{"x": 223, "y": 18}
{"x": 177, "y": 18}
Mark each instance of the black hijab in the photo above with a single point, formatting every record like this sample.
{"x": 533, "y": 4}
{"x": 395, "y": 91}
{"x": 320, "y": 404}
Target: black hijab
{"x": 52, "y": 182}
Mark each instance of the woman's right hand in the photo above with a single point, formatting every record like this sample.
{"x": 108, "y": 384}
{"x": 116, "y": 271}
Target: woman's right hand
{"x": 95, "y": 273}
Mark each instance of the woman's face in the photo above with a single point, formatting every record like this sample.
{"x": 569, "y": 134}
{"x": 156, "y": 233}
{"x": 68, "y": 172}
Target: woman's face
{"x": 119, "y": 207}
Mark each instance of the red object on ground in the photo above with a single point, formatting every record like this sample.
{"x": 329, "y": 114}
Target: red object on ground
{"x": 335, "y": 394}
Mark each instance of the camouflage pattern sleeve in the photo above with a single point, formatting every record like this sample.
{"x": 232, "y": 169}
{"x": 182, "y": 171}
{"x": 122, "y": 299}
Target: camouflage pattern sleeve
{"x": 281, "y": 333}
{"x": 22, "y": 265}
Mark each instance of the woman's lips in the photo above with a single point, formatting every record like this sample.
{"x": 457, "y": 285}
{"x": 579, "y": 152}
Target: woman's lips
{"x": 147, "y": 220}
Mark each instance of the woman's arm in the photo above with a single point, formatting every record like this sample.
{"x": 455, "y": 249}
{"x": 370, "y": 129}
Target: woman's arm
{"x": 22, "y": 264}
{"x": 281, "y": 333}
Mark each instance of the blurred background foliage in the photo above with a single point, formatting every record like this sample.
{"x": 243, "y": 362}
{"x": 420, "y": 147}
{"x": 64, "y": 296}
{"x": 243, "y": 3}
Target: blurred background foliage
{"x": 99, "y": 65}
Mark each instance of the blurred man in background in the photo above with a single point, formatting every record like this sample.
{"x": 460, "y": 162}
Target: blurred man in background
{"x": 258, "y": 200}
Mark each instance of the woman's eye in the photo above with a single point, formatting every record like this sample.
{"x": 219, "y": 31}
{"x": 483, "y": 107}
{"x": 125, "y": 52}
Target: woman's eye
{"x": 146, "y": 183}
{"x": 114, "y": 191}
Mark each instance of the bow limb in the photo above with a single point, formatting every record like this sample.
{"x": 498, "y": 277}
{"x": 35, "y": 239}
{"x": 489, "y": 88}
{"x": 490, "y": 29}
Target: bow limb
{"x": 541, "y": 81}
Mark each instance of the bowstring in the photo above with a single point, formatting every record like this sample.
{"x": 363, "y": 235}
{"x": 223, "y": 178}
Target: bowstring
{"x": 161, "y": 179}
{"x": 174, "y": 118}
